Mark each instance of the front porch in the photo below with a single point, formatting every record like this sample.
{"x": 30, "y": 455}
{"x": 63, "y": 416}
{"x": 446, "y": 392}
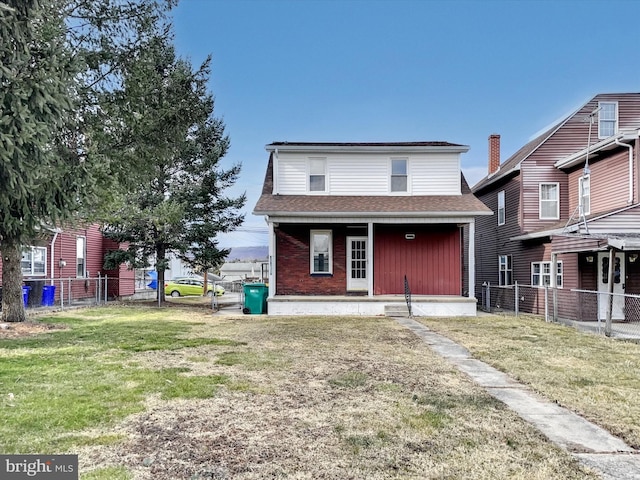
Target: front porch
{"x": 421, "y": 305}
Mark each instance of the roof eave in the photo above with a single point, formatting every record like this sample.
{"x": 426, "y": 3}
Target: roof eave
{"x": 369, "y": 148}
{"x": 423, "y": 214}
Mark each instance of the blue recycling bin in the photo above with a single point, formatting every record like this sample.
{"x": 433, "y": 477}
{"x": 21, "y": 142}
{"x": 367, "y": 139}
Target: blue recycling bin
{"x": 48, "y": 295}
{"x": 153, "y": 275}
{"x": 25, "y": 294}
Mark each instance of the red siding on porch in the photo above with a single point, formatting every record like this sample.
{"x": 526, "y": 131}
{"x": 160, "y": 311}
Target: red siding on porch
{"x": 431, "y": 261}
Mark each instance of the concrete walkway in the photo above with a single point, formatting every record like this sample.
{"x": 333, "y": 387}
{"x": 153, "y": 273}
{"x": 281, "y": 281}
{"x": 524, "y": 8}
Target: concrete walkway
{"x": 590, "y": 444}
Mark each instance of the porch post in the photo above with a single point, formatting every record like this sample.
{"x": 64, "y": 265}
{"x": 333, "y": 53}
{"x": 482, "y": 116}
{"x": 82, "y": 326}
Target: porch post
{"x": 612, "y": 259}
{"x": 272, "y": 260}
{"x": 471, "y": 254}
{"x": 370, "y": 259}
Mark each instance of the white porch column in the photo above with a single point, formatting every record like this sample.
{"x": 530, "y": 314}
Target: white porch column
{"x": 472, "y": 259}
{"x": 272, "y": 260}
{"x": 370, "y": 259}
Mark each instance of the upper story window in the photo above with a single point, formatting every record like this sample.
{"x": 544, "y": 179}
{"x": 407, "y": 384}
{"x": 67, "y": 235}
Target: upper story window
{"x": 607, "y": 119}
{"x": 398, "y": 174}
{"x": 34, "y": 261}
{"x": 321, "y": 246}
{"x": 81, "y": 256}
{"x": 549, "y": 201}
{"x": 501, "y": 215}
{"x": 505, "y": 269}
{"x": 317, "y": 174}
{"x": 584, "y": 194}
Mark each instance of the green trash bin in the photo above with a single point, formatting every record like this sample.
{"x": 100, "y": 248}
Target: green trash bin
{"x": 255, "y": 298}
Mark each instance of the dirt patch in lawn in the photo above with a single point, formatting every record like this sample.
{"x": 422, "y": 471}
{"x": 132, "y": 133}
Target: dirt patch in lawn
{"x": 27, "y": 329}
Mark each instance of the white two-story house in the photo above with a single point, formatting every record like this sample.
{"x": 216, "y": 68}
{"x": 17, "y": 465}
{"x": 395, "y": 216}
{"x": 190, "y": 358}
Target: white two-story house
{"x": 349, "y": 222}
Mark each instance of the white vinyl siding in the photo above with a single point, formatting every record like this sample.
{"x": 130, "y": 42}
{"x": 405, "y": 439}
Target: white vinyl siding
{"x": 549, "y": 201}
{"x": 369, "y": 174}
{"x": 34, "y": 261}
{"x": 501, "y": 208}
{"x": 607, "y": 119}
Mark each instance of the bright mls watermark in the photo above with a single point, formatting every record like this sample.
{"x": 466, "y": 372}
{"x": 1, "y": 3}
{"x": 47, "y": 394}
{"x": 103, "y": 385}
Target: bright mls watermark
{"x": 49, "y": 467}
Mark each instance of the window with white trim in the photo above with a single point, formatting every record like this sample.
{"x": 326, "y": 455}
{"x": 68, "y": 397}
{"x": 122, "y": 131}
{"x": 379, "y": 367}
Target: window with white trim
{"x": 399, "y": 175}
{"x": 541, "y": 274}
{"x": 549, "y": 201}
{"x": 81, "y": 257}
{"x": 501, "y": 209}
{"x": 321, "y": 246}
{"x": 34, "y": 261}
{"x": 317, "y": 174}
{"x": 505, "y": 270}
{"x": 584, "y": 194}
{"x": 607, "y": 119}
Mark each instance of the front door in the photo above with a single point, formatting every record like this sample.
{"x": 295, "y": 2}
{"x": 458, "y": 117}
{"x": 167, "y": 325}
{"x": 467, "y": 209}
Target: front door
{"x": 617, "y": 310}
{"x": 357, "y": 263}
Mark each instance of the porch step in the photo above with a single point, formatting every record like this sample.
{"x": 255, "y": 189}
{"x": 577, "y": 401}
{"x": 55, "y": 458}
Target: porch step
{"x": 396, "y": 310}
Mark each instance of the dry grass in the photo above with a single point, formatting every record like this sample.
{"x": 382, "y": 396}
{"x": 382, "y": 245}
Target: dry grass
{"x": 313, "y": 398}
{"x": 595, "y": 376}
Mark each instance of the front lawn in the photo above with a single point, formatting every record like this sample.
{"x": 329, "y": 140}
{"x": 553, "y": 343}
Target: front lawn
{"x": 141, "y": 393}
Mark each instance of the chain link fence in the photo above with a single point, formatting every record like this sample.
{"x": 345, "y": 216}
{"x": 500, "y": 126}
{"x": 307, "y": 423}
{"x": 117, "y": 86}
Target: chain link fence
{"x": 584, "y": 309}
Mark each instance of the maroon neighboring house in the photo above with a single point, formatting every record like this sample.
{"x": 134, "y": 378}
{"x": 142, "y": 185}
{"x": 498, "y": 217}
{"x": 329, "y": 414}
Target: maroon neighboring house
{"x": 565, "y": 204}
{"x": 349, "y": 222}
{"x": 75, "y": 256}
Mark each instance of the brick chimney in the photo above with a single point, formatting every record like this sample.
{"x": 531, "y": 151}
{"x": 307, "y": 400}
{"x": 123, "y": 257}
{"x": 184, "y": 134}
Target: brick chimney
{"x": 494, "y": 153}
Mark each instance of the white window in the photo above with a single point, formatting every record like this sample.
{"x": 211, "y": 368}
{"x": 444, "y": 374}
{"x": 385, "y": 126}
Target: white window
{"x": 505, "y": 269}
{"x": 607, "y": 119}
{"x": 549, "y": 201}
{"x": 501, "y": 208}
{"x": 81, "y": 255}
{"x": 398, "y": 174}
{"x": 321, "y": 246}
{"x": 584, "y": 194}
{"x": 34, "y": 261}
{"x": 541, "y": 274}
{"x": 317, "y": 175}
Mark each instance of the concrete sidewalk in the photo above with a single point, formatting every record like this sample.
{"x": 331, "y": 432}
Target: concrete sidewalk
{"x": 592, "y": 445}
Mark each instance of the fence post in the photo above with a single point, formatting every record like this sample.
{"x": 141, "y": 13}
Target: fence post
{"x": 555, "y": 304}
{"x": 488, "y": 299}
{"x": 517, "y": 302}
{"x": 61, "y": 294}
{"x": 70, "y": 294}
{"x": 105, "y": 288}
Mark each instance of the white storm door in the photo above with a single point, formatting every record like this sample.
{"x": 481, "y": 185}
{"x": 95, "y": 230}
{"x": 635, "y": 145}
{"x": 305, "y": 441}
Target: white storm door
{"x": 617, "y": 310}
{"x": 357, "y": 263}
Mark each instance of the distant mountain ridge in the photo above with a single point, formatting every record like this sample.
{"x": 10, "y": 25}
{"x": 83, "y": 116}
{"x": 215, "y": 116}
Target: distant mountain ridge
{"x": 245, "y": 254}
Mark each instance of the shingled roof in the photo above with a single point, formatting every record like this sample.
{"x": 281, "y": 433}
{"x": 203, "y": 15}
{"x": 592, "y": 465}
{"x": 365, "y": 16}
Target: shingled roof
{"x": 336, "y": 205}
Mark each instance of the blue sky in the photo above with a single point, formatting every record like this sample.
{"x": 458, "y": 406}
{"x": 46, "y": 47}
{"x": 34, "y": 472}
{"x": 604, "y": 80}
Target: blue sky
{"x": 403, "y": 70}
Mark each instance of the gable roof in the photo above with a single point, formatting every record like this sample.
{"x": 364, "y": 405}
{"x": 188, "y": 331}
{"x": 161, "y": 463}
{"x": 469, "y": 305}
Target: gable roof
{"x": 346, "y": 205}
{"x": 512, "y": 165}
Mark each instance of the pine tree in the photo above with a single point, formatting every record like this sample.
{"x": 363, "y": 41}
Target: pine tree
{"x": 178, "y": 205}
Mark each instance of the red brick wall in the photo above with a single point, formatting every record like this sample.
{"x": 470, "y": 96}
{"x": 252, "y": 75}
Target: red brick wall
{"x": 293, "y": 275}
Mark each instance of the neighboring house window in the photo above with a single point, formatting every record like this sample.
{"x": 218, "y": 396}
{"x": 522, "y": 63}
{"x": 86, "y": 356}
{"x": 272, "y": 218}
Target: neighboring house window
{"x": 321, "y": 246}
{"x": 607, "y": 119}
{"x": 584, "y": 194}
{"x": 506, "y": 270}
{"x": 501, "y": 208}
{"x": 398, "y": 174}
{"x": 541, "y": 274}
{"x": 549, "y": 201}
{"x": 34, "y": 261}
{"x": 81, "y": 255}
{"x": 317, "y": 175}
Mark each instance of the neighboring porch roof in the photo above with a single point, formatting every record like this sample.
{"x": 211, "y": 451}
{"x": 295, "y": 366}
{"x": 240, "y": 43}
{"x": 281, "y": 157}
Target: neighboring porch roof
{"x": 589, "y": 243}
{"x": 465, "y": 204}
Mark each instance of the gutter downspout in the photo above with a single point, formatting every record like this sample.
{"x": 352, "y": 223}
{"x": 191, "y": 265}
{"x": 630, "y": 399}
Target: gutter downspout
{"x": 53, "y": 243}
{"x": 630, "y": 147}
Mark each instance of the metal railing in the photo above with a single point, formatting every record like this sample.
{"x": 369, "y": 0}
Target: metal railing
{"x": 586, "y": 309}
{"x": 407, "y": 295}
